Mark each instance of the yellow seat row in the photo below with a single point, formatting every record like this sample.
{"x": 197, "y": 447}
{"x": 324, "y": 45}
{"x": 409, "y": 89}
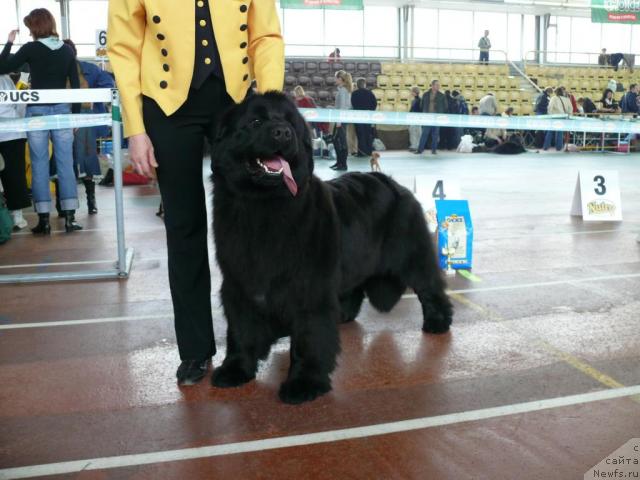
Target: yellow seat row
{"x": 449, "y": 82}
{"x": 443, "y": 69}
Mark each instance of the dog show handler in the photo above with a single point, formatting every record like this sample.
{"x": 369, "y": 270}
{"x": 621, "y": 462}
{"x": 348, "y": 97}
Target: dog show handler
{"x": 178, "y": 67}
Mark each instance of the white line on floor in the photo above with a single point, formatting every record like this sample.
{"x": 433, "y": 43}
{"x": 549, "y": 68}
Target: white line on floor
{"x": 85, "y": 262}
{"x": 86, "y": 321}
{"x": 61, "y": 323}
{"x": 313, "y": 438}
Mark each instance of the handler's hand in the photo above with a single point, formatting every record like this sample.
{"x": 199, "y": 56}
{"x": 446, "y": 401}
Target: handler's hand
{"x": 141, "y": 154}
{"x": 12, "y": 36}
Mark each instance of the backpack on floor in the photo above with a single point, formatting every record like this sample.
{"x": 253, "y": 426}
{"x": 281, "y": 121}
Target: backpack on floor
{"x": 6, "y": 222}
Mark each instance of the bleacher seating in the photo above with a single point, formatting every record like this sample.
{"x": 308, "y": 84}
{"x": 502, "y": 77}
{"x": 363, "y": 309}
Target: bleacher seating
{"x": 581, "y": 81}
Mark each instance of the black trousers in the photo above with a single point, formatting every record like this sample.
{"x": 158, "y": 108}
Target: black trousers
{"x": 365, "y": 138}
{"x": 340, "y": 145}
{"x": 178, "y": 142}
{"x": 14, "y": 178}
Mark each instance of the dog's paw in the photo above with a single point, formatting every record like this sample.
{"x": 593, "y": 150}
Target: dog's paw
{"x": 300, "y": 390}
{"x": 438, "y": 321}
{"x": 227, "y": 376}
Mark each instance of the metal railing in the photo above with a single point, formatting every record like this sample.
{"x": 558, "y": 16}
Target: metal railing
{"x": 541, "y": 57}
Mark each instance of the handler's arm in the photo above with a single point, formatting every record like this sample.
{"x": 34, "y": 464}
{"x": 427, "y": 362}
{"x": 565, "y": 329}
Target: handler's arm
{"x": 266, "y": 47}
{"x": 127, "y": 22}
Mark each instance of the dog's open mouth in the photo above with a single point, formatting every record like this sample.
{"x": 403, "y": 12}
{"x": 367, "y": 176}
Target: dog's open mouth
{"x": 277, "y": 166}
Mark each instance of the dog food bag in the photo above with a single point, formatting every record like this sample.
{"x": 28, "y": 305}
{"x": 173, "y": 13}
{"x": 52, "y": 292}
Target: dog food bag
{"x": 455, "y": 234}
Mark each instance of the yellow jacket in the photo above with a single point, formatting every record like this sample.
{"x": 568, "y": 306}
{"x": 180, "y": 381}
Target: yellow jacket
{"x": 139, "y": 31}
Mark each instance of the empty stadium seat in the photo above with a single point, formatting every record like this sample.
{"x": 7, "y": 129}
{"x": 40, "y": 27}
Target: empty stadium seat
{"x": 390, "y": 95}
{"x": 408, "y": 81}
{"x": 375, "y": 67}
{"x": 290, "y": 81}
{"x": 350, "y": 67}
{"x": 311, "y": 67}
{"x": 378, "y": 93}
{"x": 395, "y": 81}
{"x": 362, "y": 68}
{"x": 371, "y": 81}
{"x": 304, "y": 80}
{"x": 324, "y": 68}
{"x": 387, "y": 68}
{"x": 404, "y": 95}
{"x": 383, "y": 81}
{"x": 297, "y": 66}
{"x": 336, "y": 66}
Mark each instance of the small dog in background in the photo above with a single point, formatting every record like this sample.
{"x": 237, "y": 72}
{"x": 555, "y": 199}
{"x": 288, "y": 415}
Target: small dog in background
{"x": 375, "y": 162}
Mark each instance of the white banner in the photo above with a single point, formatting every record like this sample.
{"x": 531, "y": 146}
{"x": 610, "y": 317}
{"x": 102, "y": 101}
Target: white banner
{"x": 74, "y": 95}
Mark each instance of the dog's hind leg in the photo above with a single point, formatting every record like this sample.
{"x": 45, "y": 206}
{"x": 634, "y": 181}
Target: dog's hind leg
{"x": 314, "y": 347}
{"x": 350, "y": 305}
{"x": 249, "y": 339}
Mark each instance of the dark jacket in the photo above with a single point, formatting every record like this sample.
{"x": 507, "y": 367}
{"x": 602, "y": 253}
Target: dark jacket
{"x": 363, "y": 99}
{"x": 629, "y": 103}
{"x": 542, "y": 104}
{"x": 416, "y": 105}
{"x": 588, "y": 106}
{"x": 440, "y": 103}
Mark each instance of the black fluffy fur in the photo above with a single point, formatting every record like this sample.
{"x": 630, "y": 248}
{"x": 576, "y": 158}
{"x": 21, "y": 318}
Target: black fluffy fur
{"x": 300, "y": 265}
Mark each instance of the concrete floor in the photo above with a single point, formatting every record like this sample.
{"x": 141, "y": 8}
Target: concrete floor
{"x": 553, "y": 314}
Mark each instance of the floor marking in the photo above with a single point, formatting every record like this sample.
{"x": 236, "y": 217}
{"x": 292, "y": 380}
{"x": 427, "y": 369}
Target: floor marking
{"x": 91, "y": 230}
{"x": 454, "y": 293}
{"x": 313, "y": 438}
{"x": 469, "y": 276}
{"x": 85, "y": 262}
{"x": 566, "y": 357}
{"x": 87, "y": 321}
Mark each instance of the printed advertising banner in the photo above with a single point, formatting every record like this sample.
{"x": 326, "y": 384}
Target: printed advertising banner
{"x": 328, "y": 4}
{"x": 615, "y": 11}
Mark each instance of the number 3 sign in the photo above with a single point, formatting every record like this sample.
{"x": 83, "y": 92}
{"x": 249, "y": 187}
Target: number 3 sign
{"x": 597, "y": 196}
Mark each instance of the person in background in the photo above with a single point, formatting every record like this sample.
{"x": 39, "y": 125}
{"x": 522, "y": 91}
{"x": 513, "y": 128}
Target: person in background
{"x": 629, "y": 103}
{"x": 85, "y": 151}
{"x": 508, "y": 112}
{"x": 603, "y": 58}
{"x": 12, "y": 149}
{"x": 488, "y": 105}
{"x": 484, "y": 44}
{"x": 306, "y": 101}
{"x": 364, "y": 99}
{"x": 475, "y": 110}
{"x": 609, "y": 105}
{"x": 52, "y": 65}
{"x": 334, "y": 56}
{"x": 542, "y": 102}
{"x": 559, "y": 104}
{"x": 586, "y": 106}
{"x": 433, "y": 101}
{"x": 462, "y": 109}
{"x": 415, "y": 130}
{"x": 495, "y": 136}
{"x": 343, "y": 102}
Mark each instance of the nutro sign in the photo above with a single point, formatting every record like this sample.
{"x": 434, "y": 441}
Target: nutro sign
{"x": 615, "y": 11}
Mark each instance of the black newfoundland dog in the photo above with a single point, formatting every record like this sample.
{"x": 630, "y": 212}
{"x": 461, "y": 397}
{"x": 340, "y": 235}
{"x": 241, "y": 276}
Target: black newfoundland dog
{"x": 298, "y": 255}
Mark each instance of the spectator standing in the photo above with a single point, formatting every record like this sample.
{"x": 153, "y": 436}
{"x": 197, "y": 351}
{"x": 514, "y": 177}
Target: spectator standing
{"x": 433, "y": 101}
{"x": 52, "y": 65}
{"x": 629, "y": 103}
{"x": 484, "y": 44}
{"x": 559, "y": 104}
{"x": 343, "y": 102}
{"x": 415, "y": 130}
{"x": 488, "y": 105}
{"x": 305, "y": 101}
{"x": 364, "y": 99}
{"x": 603, "y": 58}
{"x": 609, "y": 105}
{"x": 85, "y": 151}
{"x": 12, "y": 149}
{"x": 334, "y": 56}
{"x": 542, "y": 102}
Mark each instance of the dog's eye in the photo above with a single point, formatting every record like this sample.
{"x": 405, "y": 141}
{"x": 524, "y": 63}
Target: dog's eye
{"x": 256, "y": 123}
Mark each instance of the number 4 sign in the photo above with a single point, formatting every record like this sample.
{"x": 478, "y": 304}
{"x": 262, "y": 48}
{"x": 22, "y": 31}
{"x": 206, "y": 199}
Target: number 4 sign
{"x": 597, "y": 196}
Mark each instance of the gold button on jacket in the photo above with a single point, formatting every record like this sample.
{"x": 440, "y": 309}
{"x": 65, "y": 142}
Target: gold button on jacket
{"x": 135, "y": 51}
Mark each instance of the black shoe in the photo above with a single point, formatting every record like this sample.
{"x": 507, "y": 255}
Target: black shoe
{"x": 191, "y": 372}
{"x": 433, "y": 152}
{"x": 107, "y": 181}
{"x": 90, "y": 188}
{"x": 43, "y": 227}
{"x": 343, "y": 168}
{"x": 417, "y": 152}
{"x": 70, "y": 224}
{"x": 334, "y": 166}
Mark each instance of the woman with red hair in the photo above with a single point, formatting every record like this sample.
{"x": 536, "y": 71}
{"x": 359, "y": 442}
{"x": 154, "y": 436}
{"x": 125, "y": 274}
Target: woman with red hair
{"x": 51, "y": 64}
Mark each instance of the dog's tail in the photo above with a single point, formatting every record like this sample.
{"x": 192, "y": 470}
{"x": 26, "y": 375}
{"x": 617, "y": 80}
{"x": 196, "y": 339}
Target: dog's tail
{"x": 384, "y": 291}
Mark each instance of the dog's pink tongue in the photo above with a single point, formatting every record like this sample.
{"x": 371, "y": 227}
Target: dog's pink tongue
{"x": 275, "y": 164}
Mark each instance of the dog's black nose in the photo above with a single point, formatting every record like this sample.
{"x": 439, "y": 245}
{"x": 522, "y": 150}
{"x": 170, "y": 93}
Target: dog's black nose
{"x": 281, "y": 133}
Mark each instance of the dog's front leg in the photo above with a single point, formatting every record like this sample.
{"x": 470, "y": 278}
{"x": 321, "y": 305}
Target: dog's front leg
{"x": 249, "y": 338}
{"x": 314, "y": 347}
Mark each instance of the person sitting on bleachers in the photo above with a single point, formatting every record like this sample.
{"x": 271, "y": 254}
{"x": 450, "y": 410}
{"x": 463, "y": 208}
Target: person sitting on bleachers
{"x": 586, "y": 106}
{"x": 629, "y": 103}
{"x": 609, "y": 104}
